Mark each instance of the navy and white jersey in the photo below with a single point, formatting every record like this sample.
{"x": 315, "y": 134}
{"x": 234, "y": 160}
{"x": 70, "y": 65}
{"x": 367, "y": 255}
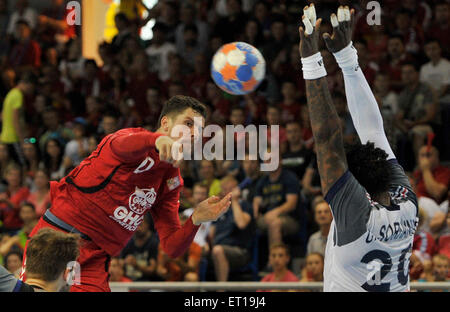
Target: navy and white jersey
{"x": 369, "y": 245}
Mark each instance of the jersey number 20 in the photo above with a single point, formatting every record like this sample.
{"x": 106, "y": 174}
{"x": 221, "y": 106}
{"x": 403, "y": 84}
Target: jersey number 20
{"x": 375, "y": 284}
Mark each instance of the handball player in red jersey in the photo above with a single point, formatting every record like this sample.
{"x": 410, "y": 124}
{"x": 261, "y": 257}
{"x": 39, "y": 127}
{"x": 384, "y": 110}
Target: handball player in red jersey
{"x": 131, "y": 172}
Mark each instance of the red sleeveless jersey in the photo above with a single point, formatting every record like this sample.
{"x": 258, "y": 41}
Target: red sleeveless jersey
{"x": 108, "y": 194}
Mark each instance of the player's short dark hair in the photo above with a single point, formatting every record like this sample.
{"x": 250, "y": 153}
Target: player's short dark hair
{"x": 49, "y": 252}
{"x": 369, "y": 166}
{"x": 178, "y": 104}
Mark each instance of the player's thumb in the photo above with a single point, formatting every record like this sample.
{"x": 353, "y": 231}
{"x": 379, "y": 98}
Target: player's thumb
{"x": 327, "y": 38}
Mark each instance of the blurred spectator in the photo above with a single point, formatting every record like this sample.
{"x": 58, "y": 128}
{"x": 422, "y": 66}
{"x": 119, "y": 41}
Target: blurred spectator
{"x": 261, "y": 11}
{"x": 13, "y": 124}
{"x": 12, "y": 197}
{"x": 436, "y": 73}
{"x": 278, "y": 39}
{"x": 117, "y": 272}
{"x": 220, "y": 105}
{"x": 53, "y": 25}
{"x": 313, "y": 270}
{"x": 191, "y": 45}
{"x": 52, "y": 159}
{"x": 110, "y": 122}
{"x": 436, "y": 270}
{"x": 440, "y": 25}
{"x": 290, "y": 107}
{"x": 413, "y": 36}
{"x": 432, "y": 178}
{"x": 188, "y": 16}
{"x": 22, "y": 12}
{"x": 154, "y": 99}
{"x": 183, "y": 268}
{"x": 276, "y": 204}
{"x": 29, "y": 218}
{"x": 297, "y": 157}
{"x": 396, "y": 56}
{"x": 207, "y": 176}
{"x": 230, "y": 26}
{"x": 273, "y": 117}
{"x": 252, "y": 175}
{"x": 40, "y": 194}
{"x": 32, "y": 158}
{"x": 168, "y": 16}
{"x": 159, "y": 51}
{"x": 5, "y": 161}
{"x": 141, "y": 252}
{"x": 54, "y": 129}
{"x": 140, "y": 80}
{"x": 25, "y": 54}
{"x": 418, "y": 108}
{"x": 77, "y": 148}
{"x": 232, "y": 234}
{"x": 377, "y": 41}
{"x": 253, "y": 33}
{"x": 196, "y": 81}
{"x": 323, "y": 217}
{"x": 279, "y": 258}
{"x": 123, "y": 27}
{"x": 13, "y": 263}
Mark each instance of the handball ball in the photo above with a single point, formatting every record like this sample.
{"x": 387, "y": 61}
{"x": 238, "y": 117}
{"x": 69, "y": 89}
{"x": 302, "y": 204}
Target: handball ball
{"x": 238, "y": 68}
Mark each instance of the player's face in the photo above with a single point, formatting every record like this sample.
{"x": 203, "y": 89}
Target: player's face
{"x": 278, "y": 258}
{"x": 190, "y": 119}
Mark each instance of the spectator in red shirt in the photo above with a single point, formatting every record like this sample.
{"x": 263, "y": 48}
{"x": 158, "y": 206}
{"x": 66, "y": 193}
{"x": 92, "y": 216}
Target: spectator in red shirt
{"x": 432, "y": 178}
{"x": 279, "y": 258}
{"x": 196, "y": 82}
{"x": 40, "y": 197}
{"x": 222, "y": 106}
{"x": 25, "y": 55}
{"x": 16, "y": 193}
{"x": 313, "y": 271}
{"x": 413, "y": 36}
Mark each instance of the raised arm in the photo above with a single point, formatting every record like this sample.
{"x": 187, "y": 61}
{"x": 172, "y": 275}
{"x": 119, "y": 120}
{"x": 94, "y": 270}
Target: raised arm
{"x": 361, "y": 102}
{"x": 325, "y": 125}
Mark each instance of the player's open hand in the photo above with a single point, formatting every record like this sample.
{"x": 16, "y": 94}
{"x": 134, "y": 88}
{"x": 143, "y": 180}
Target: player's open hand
{"x": 309, "y": 36}
{"x": 211, "y": 209}
{"x": 169, "y": 150}
{"x": 343, "y": 25}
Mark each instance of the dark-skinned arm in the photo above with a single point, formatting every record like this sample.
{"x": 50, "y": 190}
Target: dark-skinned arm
{"x": 332, "y": 163}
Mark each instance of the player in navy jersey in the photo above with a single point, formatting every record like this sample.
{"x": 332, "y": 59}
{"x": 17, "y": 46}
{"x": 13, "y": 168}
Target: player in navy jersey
{"x": 374, "y": 208}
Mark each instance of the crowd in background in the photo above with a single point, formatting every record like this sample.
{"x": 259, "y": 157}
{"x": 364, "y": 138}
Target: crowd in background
{"x": 57, "y": 106}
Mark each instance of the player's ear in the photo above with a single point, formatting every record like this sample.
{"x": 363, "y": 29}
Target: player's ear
{"x": 165, "y": 124}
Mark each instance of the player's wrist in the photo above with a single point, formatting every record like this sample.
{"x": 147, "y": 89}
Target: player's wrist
{"x": 195, "y": 220}
{"x": 347, "y": 58}
{"x": 313, "y": 67}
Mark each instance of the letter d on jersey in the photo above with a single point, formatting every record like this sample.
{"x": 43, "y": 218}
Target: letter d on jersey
{"x": 146, "y": 165}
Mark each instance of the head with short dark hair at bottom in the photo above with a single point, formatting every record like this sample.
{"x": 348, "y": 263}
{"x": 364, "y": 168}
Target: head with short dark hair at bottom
{"x": 49, "y": 252}
{"x": 370, "y": 167}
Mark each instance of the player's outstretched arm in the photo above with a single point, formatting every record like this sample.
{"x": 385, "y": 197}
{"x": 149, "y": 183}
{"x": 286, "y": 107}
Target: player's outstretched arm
{"x": 325, "y": 124}
{"x": 361, "y": 102}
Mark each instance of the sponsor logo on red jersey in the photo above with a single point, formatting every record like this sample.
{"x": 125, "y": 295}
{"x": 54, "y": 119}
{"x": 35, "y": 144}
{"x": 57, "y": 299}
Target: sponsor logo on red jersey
{"x": 139, "y": 202}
